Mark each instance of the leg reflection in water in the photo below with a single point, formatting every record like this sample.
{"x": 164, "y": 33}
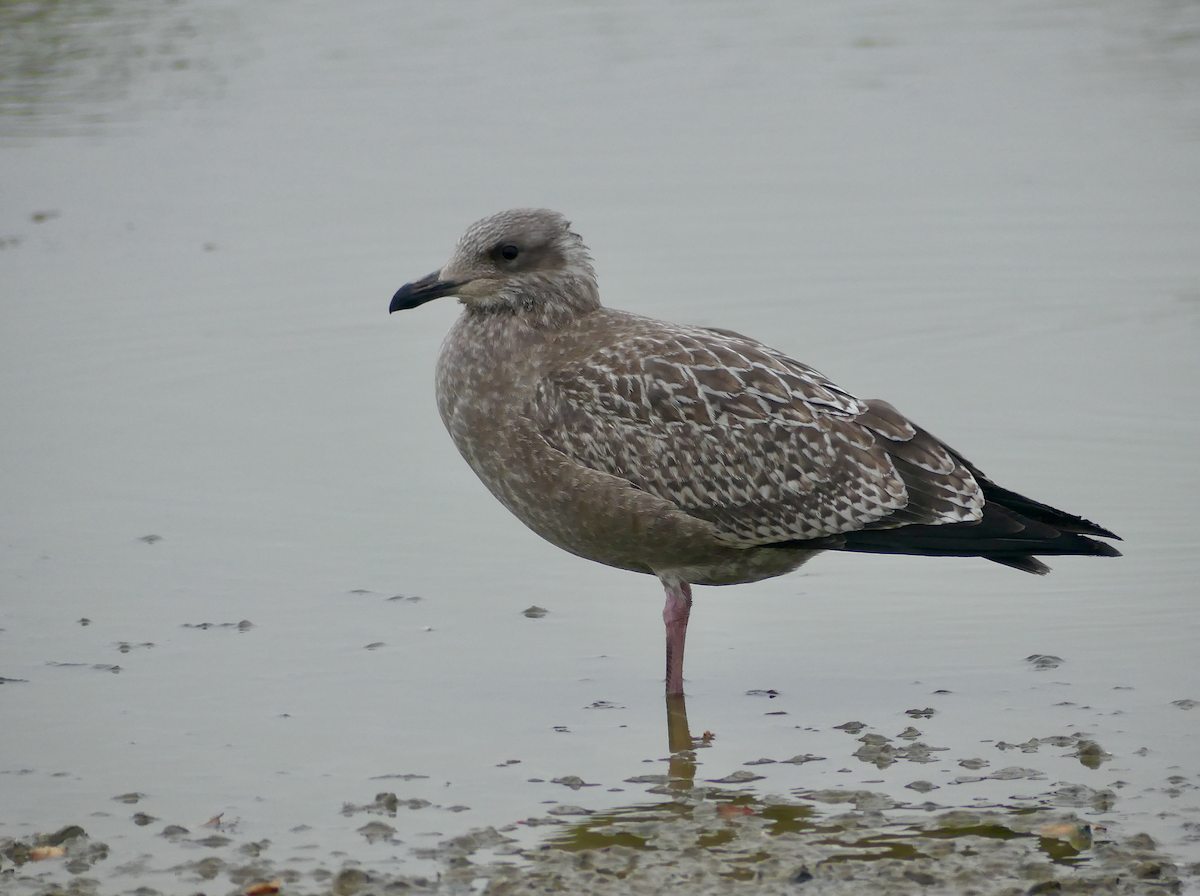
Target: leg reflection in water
{"x": 682, "y": 765}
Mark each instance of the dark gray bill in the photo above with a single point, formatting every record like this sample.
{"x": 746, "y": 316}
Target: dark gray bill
{"x": 428, "y": 288}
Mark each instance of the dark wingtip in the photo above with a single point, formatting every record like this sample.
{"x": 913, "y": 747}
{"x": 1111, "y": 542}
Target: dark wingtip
{"x": 1090, "y": 528}
{"x": 1042, "y": 513}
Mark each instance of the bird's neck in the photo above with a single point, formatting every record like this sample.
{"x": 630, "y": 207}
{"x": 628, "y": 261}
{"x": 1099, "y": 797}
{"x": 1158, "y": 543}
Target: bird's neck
{"x": 545, "y": 305}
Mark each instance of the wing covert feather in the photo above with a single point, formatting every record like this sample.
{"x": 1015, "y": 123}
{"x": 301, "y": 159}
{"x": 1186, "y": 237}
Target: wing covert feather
{"x": 761, "y": 446}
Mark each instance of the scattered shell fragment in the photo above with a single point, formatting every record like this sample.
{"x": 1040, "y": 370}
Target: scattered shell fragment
{"x": 1043, "y": 661}
{"x": 738, "y": 777}
{"x": 803, "y": 758}
{"x": 572, "y": 781}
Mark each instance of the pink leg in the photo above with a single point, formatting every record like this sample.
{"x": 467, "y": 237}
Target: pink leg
{"x": 675, "y": 615}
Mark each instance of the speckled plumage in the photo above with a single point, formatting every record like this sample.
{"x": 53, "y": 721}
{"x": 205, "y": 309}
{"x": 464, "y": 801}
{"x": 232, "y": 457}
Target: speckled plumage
{"x": 700, "y": 456}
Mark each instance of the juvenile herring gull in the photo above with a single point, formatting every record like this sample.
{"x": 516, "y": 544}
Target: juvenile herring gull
{"x": 697, "y": 455}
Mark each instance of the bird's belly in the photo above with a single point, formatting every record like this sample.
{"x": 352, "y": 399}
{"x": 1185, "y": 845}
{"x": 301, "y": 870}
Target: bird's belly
{"x": 606, "y": 519}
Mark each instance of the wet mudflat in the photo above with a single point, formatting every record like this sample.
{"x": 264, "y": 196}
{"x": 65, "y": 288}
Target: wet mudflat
{"x": 900, "y": 811}
{"x": 259, "y": 623}
{"x": 1087, "y": 793}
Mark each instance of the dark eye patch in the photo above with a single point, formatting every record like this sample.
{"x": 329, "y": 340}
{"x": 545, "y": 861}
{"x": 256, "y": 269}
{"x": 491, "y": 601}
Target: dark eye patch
{"x": 508, "y": 252}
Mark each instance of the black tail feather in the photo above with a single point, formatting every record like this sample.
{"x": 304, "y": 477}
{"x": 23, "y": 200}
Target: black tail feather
{"x": 1025, "y": 564}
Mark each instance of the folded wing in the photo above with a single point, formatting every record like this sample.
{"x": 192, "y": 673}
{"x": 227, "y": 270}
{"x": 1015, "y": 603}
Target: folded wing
{"x": 761, "y": 446}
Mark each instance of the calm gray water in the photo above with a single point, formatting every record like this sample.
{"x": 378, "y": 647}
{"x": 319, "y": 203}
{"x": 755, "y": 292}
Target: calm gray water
{"x": 987, "y": 214}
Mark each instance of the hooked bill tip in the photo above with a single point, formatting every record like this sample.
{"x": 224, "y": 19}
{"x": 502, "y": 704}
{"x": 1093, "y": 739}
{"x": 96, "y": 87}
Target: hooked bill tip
{"x": 428, "y": 288}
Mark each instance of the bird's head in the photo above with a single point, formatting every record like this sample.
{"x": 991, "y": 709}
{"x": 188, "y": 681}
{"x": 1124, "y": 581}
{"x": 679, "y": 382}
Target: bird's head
{"x": 522, "y": 260}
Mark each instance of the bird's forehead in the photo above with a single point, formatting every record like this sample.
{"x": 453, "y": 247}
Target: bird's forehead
{"x": 517, "y": 225}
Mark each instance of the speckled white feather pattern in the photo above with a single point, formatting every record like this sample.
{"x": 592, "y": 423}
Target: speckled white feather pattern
{"x": 732, "y": 432}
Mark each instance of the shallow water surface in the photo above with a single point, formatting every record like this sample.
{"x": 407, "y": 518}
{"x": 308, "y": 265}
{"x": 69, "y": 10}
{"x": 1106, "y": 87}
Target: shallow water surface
{"x": 256, "y": 615}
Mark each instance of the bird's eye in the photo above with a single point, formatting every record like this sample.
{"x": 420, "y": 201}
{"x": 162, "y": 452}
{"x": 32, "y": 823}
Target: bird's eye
{"x": 508, "y": 252}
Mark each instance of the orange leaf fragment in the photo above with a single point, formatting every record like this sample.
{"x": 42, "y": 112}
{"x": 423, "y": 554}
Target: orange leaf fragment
{"x": 725, "y": 810}
{"x": 1062, "y": 831}
{"x": 265, "y": 887}
{"x": 1077, "y": 835}
{"x": 41, "y": 853}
